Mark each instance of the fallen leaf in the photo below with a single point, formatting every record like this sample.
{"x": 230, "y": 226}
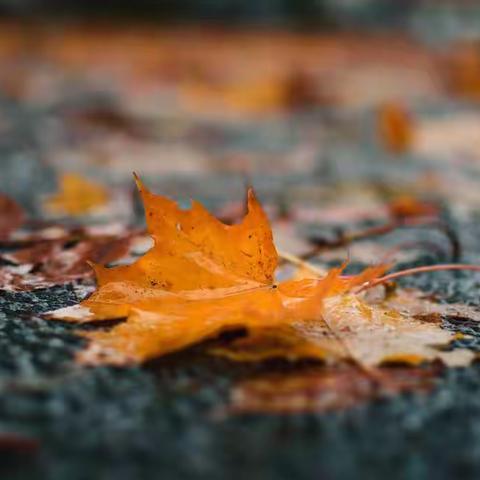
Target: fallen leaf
{"x": 415, "y": 303}
{"x": 203, "y": 277}
{"x": 406, "y": 206}
{"x": 378, "y": 334}
{"x": 76, "y": 196}
{"x": 11, "y": 216}
{"x": 265, "y": 95}
{"x": 395, "y": 127}
{"x": 463, "y": 73}
{"x": 200, "y": 278}
{"x": 48, "y": 263}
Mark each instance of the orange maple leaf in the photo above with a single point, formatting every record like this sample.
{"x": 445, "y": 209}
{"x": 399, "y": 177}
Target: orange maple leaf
{"x": 200, "y": 278}
{"x": 193, "y": 250}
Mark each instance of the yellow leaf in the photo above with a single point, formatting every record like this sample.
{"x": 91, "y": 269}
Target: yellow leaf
{"x": 76, "y": 196}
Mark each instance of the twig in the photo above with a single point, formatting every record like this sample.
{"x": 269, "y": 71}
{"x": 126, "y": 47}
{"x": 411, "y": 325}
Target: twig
{"x": 380, "y": 230}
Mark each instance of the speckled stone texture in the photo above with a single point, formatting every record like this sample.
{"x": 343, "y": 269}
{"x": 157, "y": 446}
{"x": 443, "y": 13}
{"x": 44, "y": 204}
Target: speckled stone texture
{"x": 163, "y": 420}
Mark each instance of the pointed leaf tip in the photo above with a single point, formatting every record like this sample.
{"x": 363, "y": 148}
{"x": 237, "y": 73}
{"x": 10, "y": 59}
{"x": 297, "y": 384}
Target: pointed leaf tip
{"x": 97, "y": 270}
{"x": 252, "y": 199}
{"x": 138, "y": 181}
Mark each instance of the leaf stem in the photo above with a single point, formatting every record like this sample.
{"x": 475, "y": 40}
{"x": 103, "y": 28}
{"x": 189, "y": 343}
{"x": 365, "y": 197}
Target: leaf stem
{"x": 294, "y": 260}
{"x": 417, "y": 270}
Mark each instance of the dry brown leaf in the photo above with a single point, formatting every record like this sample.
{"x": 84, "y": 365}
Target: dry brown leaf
{"x": 48, "y": 263}
{"x": 11, "y": 216}
{"x": 379, "y": 334}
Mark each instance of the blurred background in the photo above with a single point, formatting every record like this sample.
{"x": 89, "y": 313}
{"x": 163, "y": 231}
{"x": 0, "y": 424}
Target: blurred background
{"x": 343, "y": 104}
{"x": 358, "y": 124}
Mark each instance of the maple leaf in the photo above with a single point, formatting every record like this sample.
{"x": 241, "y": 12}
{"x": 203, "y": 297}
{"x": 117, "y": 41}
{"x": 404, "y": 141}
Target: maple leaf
{"x": 202, "y": 277}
